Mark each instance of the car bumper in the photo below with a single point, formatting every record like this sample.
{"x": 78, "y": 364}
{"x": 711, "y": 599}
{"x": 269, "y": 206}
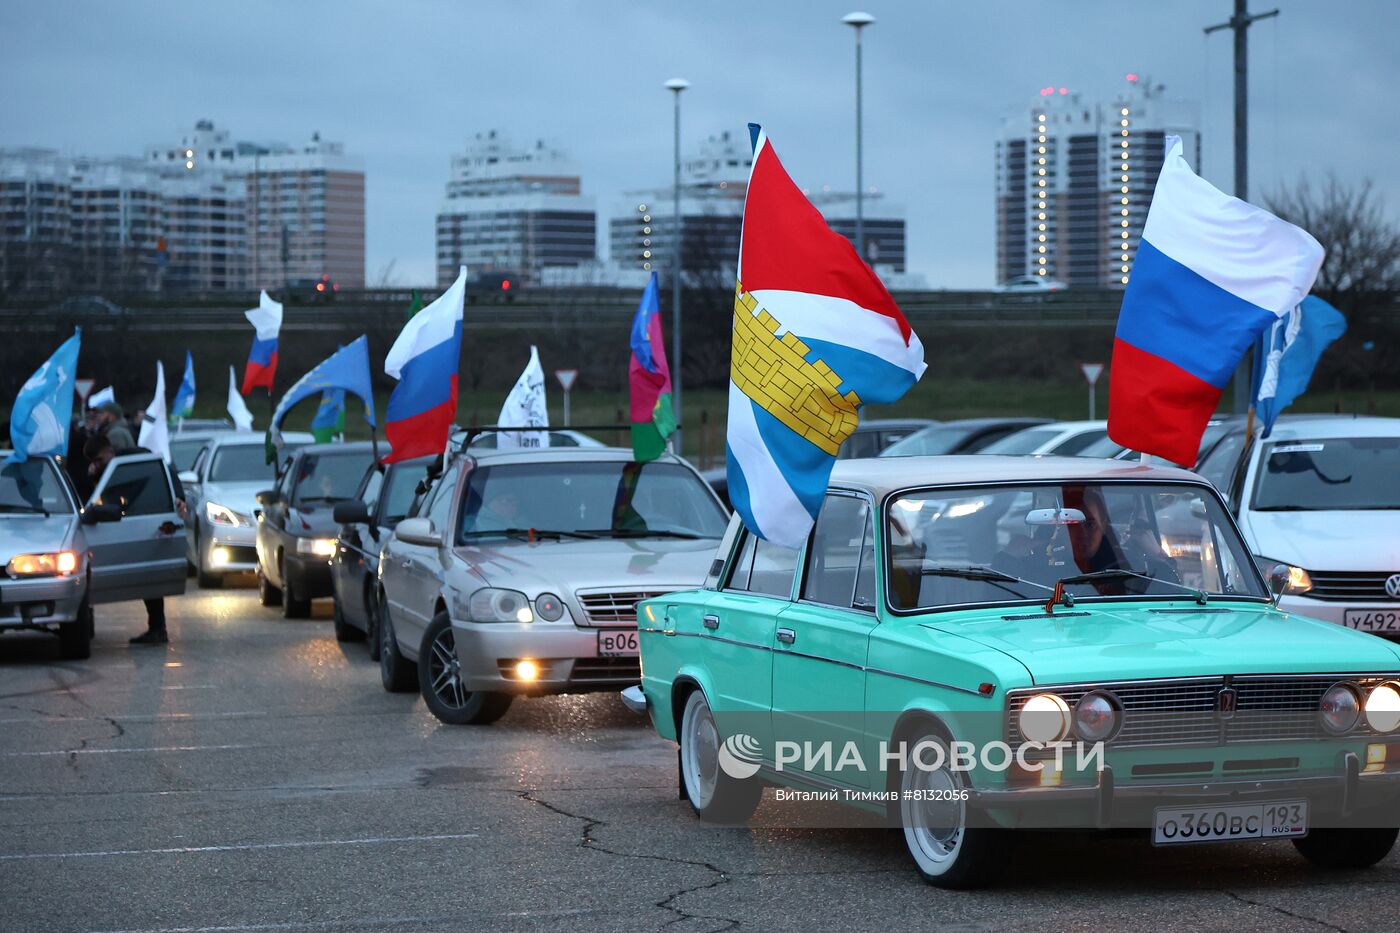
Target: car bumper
{"x": 565, "y": 656}
{"x": 1336, "y": 612}
{"x": 228, "y": 550}
{"x": 43, "y": 602}
{"x": 308, "y": 576}
{"x": 1347, "y": 794}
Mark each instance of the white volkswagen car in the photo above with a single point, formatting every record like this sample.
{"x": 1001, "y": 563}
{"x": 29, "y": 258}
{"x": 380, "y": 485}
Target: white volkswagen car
{"x": 1320, "y": 499}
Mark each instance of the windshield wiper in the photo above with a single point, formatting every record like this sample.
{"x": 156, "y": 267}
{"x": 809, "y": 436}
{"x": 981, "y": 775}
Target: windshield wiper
{"x": 984, "y": 574}
{"x": 1118, "y": 573}
{"x": 24, "y": 509}
{"x": 645, "y": 533}
{"x": 527, "y": 533}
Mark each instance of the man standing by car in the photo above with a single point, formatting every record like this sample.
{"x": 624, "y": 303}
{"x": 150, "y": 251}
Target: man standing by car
{"x": 99, "y": 452}
{"x": 111, "y": 426}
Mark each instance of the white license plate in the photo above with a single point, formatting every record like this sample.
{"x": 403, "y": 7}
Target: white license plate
{"x": 1285, "y": 819}
{"x": 1372, "y": 620}
{"x": 619, "y": 644}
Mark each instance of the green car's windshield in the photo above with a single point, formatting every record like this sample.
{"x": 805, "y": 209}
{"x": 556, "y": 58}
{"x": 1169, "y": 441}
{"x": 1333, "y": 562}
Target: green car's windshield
{"x": 1333, "y": 474}
{"x": 971, "y": 545}
{"x": 32, "y": 487}
{"x": 600, "y": 498}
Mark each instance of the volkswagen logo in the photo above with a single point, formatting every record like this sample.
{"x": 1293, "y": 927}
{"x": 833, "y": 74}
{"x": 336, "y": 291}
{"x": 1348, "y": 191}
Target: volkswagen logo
{"x": 1225, "y": 703}
{"x": 1392, "y": 586}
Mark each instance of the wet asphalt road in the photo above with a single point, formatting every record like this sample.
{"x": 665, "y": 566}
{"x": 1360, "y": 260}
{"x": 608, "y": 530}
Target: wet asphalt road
{"x": 254, "y": 776}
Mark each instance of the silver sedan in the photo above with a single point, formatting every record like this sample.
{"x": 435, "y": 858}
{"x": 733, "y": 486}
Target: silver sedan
{"x": 520, "y": 571}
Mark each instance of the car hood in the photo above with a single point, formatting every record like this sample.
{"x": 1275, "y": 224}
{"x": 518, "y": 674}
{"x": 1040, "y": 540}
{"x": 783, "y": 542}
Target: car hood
{"x": 241, "y": 497}
{"x": 649, "y": 564}
{"x": 1102, "y": 643}
{"x": 1352, "y": 540}
{"x": 30, "y": 534}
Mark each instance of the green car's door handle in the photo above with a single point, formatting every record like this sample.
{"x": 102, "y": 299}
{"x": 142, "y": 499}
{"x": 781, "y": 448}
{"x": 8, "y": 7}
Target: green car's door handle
{"x": 710, "y": 622}
{"x": 787, "y": 636}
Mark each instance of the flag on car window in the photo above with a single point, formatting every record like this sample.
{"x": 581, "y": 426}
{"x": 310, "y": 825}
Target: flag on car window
{"x": 1285, "y": 359}
{"x": 266, "y": 319}
{"x": 184, "y": 395}
{"x": 1211, "y": 274}
{"x": 43, "y": 410}
{"x": 649, "y": 379}
{"x": 816, "y": 336}
{"x": 424, "y": 359}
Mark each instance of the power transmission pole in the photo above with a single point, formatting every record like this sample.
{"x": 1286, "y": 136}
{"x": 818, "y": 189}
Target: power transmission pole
{"x": 1240, "y": 24}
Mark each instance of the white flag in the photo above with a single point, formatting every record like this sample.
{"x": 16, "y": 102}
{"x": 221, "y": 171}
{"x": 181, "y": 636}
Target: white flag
{"x": 155, "y": 432}
{"x": 266, "y": 318}
{"x": 237, "y": 409}
{"x": 98, "y": 398}
{"x": 525, "y": 407}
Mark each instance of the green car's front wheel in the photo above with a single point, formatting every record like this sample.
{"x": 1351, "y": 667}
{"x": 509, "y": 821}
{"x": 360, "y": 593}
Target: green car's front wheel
{"x": 933, "y": 813}
{"x": 716, "y": 796}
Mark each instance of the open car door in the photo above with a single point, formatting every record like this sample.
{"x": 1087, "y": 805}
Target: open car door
{"x": 142, "y": 555}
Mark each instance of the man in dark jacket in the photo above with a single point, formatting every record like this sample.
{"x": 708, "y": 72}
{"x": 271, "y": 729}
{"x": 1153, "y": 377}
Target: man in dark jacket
{"x": 99, "y": 452}
{"x": 111, "y": 425}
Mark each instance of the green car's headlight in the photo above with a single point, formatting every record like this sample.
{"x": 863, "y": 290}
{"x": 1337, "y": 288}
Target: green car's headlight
{"x": 497, "y": 605}
{"x": 1045, "y": 718}
{"x": 1340, "y": 708}
{"x": 1383, "y": 708}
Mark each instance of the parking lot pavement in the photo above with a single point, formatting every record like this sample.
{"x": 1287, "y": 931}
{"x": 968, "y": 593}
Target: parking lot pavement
{"x": 254, "y": 776}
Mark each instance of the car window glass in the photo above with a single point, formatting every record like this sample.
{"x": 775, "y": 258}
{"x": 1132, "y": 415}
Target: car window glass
{"x": 140, "y": 488}
{"x": 369, "y": 493}
{"x": 743, "y": 564}
{"x": 1020, "y": 443}
{"x": 726, "y": 545}
{"x": 199, "y": 459}
{"x": 32, "y": 486}
{"x": 1331, "y": 474}
{"x": 1219, "y": 464}
{"x": 833, "y": 557}
{"x": 438, "y": 510}
{"x": 860, "y": 444}
{"x": 183, "y": 452}
{"x": 1071, "y": 446}
{"x": 398, "y": 493}
{"x": 865, "y": 579}
{"x": 773, "y": 567}
{"x": 324, "y": 478}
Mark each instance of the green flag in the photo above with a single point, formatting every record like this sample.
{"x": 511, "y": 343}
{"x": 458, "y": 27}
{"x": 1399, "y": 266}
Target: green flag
{"x": 414, "y": 306}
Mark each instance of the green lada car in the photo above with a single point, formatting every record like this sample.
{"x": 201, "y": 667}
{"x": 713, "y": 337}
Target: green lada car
{"x": 972, "y": 646}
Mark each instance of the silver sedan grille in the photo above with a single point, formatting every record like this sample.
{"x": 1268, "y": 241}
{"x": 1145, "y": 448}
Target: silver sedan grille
{"x": 614, "y": 607}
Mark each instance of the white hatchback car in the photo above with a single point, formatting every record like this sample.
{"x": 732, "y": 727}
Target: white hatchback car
{"x": 1320, "y": 498}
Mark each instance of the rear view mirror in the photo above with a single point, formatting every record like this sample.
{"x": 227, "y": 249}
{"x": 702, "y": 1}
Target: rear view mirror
{"x": 350, "y": 511}
{"x": 188, "y": 477}
{"x": 100, "y": 514}
{"x": 1278, "y": 580}
{"x": 1054, "y": 517}
{"x": 268, "y": 498}
{"x": 417, "y": 531}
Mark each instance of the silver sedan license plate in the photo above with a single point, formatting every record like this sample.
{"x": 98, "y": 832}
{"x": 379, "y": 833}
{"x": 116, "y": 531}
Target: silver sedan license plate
{"x": 619, "y": 644}
{"x": 1372, "y": 620}
{"x": 1286, "y": 819}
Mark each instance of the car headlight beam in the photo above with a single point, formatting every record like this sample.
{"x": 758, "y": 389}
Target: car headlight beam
{"x": 1383, "y": 708}
{"x": 1045, "y": 718}
{"x": 53, "y": 564}
{"x": 316, "y": 547}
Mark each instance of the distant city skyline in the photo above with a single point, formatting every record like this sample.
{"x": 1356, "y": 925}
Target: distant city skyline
{"x": 406, "y": 87}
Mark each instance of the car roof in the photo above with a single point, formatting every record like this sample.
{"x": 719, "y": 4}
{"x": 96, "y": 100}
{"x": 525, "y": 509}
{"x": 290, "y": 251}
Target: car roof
{"x": 884, "y": 424}
{"x": 1302, "y": 427}
{"x": 343, "y": 447}
{"x": 494, "y": 455}
{"x": 883, "y": 475}
{"x": 251, "y": 438}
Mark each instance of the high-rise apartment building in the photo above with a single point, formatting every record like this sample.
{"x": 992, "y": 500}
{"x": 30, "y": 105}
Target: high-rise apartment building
{"x": 1074, "y": 180}
{"x": 36, "y": 240}
{"x": 514, "y": 209}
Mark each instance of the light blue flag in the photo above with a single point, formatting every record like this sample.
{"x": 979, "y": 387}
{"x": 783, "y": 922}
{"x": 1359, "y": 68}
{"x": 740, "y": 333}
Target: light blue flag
{"x": 346, "y": 368}
{"x": 43, "y": 410}
{"x": 184, "y": 395}
{"x": 330, "y": 416}
{"x": 1290, "y": 350}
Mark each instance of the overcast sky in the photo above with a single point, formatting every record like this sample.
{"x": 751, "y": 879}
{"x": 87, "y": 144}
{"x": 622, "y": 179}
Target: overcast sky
{"x": 403, "y": 84}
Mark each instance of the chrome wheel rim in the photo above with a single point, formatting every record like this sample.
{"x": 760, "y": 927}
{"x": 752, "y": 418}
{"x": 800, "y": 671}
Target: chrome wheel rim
{"x": 934, "y": 826}
{"x": 445, "y": 671}
{"x": 701, "y": 751}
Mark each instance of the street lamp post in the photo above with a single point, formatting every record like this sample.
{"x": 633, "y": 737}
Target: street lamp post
{"x": 859, "y": 21}
{"x": 676, "y": 86}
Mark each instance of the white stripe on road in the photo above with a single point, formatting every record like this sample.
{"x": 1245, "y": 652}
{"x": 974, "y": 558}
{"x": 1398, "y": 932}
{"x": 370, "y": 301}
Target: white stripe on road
{"x": 126, "y": 751}
{"x": 247, "y": 847}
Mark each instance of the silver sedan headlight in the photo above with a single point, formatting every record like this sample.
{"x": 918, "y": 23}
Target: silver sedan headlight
{"x": 492, "y": 604}
{"x": 222, "y": 515}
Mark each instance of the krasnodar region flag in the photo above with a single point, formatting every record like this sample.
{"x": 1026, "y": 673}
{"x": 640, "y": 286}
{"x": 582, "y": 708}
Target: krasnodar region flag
{"x": 266, "y": 319}
{"x": 43, "y": 410}
{"x": 525, "y": 407}
{"x": 1211, "y": 273}
{"x": 424, "y": 359}
{"x": 816, "y": 336}
{"x": 649, "y": 379}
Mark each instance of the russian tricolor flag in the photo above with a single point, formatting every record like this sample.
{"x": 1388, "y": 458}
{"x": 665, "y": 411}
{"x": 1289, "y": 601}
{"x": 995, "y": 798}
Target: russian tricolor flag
{"x": 1212, "y": 272}
{"x": 424, "y": 360}
{"x": 266, "y": 319}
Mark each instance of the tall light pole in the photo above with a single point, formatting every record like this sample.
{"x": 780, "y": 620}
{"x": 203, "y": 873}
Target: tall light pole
{"x": 859, "y": 21}
{"x": 676, "y": 86}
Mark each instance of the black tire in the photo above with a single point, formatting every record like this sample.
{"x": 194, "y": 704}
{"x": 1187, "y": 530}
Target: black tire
{"x": 268, "y": 595}
{"x": 371, "y": 624}
{"x": 714, "y": 795}
{"x": 948, "y": 853}
{"x": 344, "y": 631}
{"x": 395, "y": 673}
{"x": 1346, "y": 848}
{"x": 440, "y": 682}
{"x": 75, "y": 638}
{"x": 293, "y": 605}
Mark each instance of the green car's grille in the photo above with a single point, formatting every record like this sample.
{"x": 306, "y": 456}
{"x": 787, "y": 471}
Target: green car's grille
{"x": 1157, "y": 713}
